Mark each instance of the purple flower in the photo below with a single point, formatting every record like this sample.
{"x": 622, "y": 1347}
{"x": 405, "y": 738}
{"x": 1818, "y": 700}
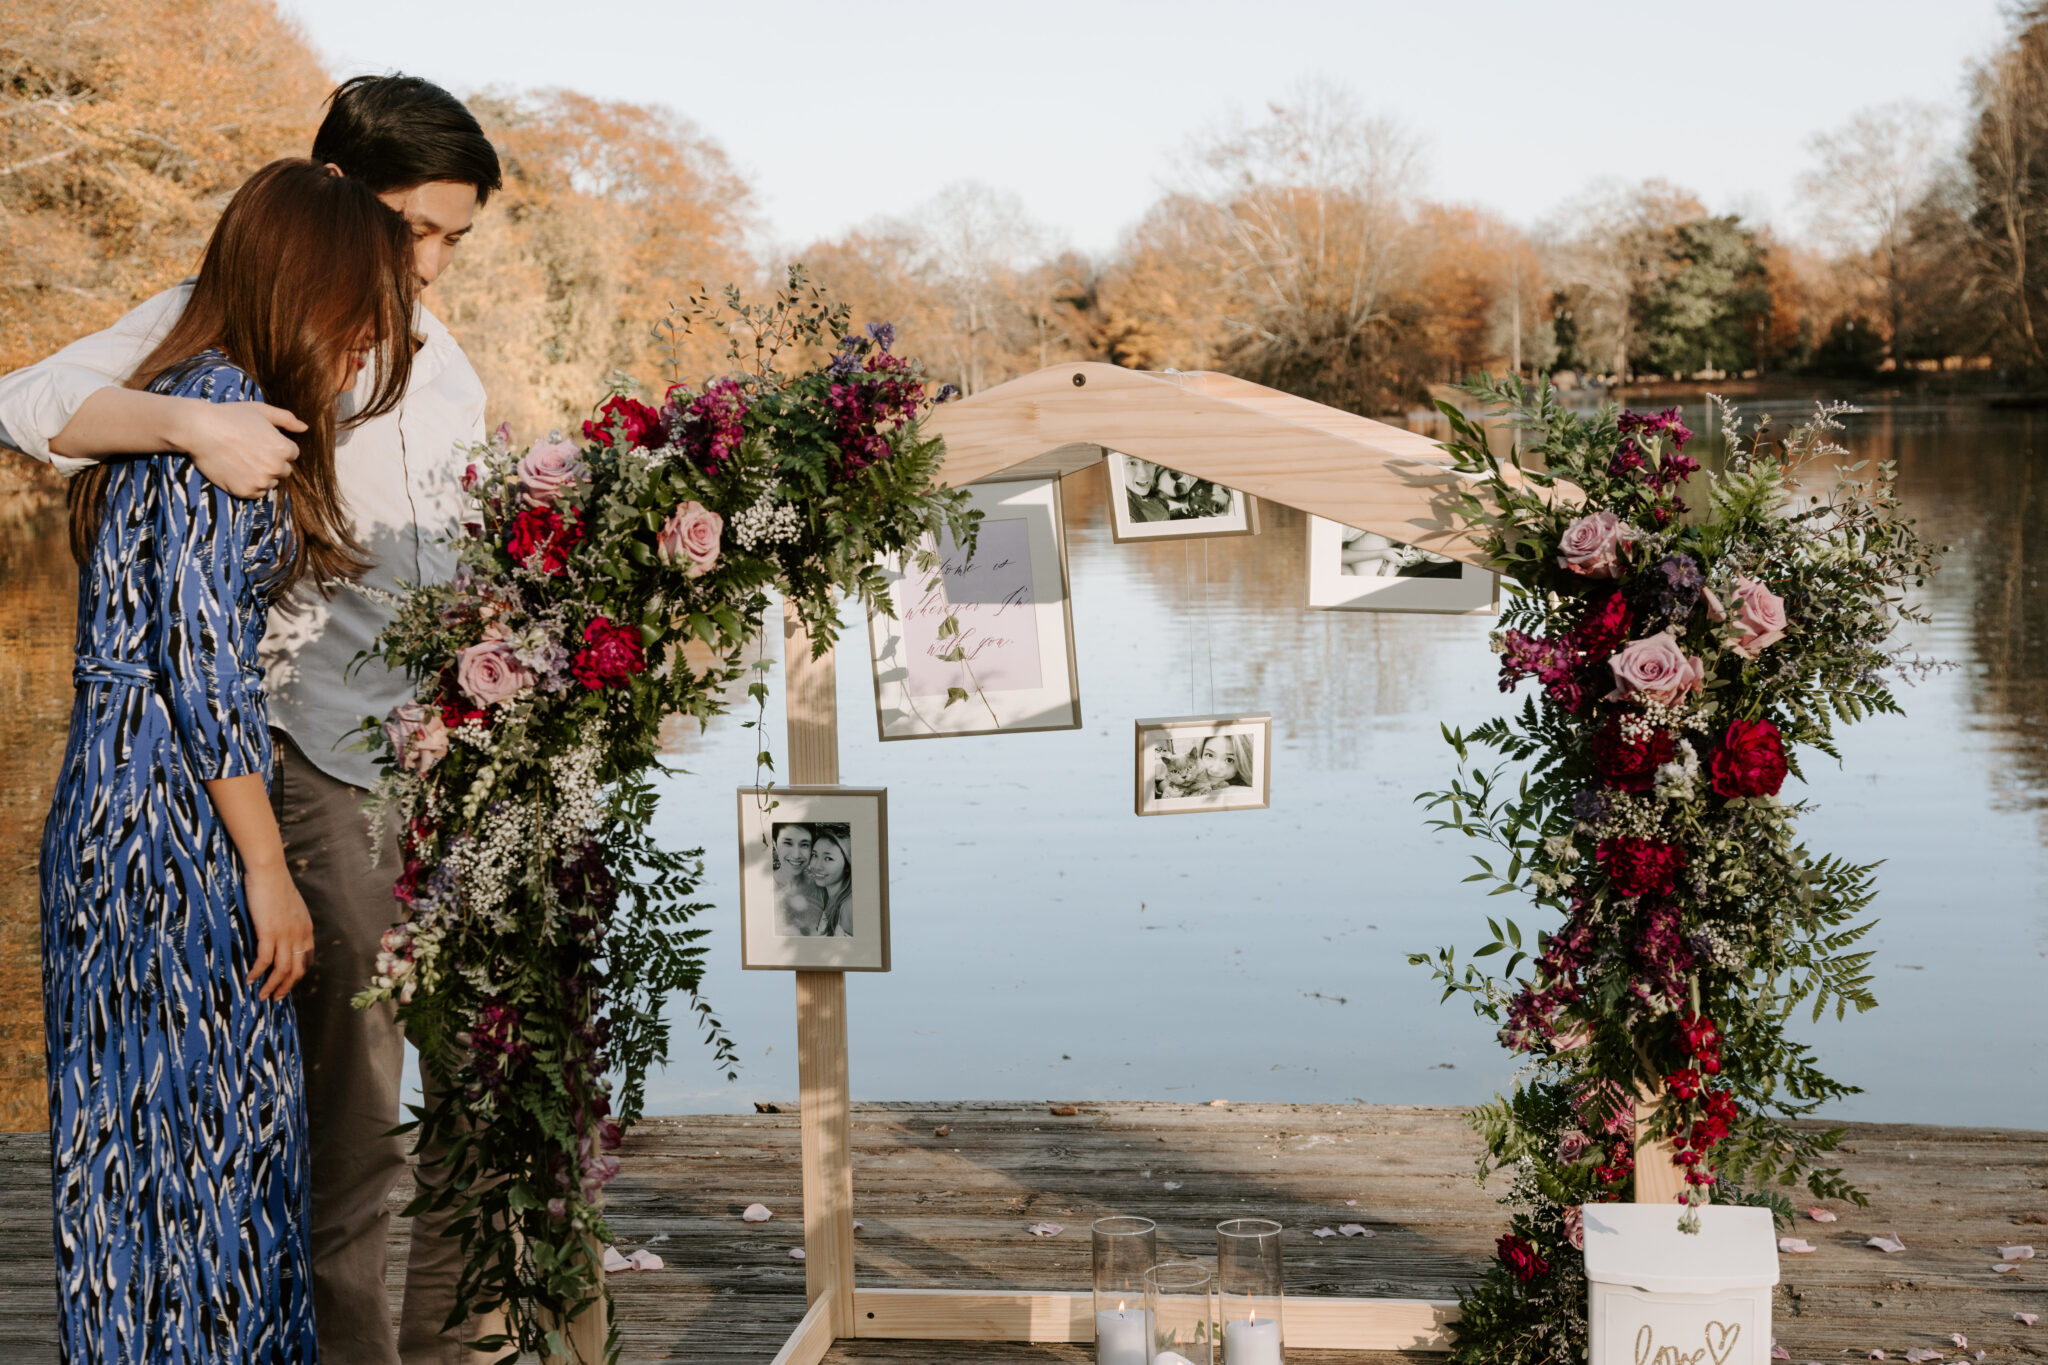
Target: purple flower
{"x": 1589, "y": 806}
{"x": 884, "y": 334}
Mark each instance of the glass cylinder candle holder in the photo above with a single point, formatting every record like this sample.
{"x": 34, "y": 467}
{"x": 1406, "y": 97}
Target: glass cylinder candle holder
{"x": 1248, "y": 1290}
{"x": 1125, "y": 1248}
{"x": 1180, "y": 1306}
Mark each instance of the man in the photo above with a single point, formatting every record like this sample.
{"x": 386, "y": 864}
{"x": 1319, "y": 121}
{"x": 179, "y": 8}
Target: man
{"x": 426, "y": 157}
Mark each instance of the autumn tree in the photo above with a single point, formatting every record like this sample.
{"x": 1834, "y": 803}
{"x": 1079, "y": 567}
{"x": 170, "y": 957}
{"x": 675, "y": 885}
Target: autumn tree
{"x": 2007, "y": 159}
{"x": 1867, "y": 179}
{"x": 1604, "y": 251}
{"x": 124, "y": 127}
{"x": 611, "y": 213}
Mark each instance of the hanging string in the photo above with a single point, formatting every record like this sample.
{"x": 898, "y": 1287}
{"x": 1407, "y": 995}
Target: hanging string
{"x": 1208, "y": 632}
{"x": 1187, "y": 581}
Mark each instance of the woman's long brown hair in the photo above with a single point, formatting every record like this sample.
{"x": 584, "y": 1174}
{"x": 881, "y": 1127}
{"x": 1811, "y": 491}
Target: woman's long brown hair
{"x": 303, "y": 269}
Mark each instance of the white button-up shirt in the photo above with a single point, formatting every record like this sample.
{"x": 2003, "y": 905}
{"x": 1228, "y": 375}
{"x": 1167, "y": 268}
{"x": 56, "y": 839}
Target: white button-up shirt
{"x": 400, "y": 481}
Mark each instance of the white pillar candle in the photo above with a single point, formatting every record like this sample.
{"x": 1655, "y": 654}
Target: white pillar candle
{"x": 1255, "y": 1341}
{"x": 1120, "y": 1337}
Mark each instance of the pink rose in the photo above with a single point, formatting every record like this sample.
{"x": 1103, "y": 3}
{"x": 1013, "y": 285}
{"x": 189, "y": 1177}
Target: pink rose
{"x": 548, "y": 468}
{"x": 490, "y": 672}
{"x": 1761, "y": 614}
{"x": 1656, "y": 669}
{"x": 691, "y": 535}
{"x": 417, "y": 734}
{"x": 1592, "y": 545}
{"x": 1575, "y": 1225}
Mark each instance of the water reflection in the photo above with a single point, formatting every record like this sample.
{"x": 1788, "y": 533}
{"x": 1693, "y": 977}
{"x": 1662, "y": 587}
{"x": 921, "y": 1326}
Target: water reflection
{"x": 1048, "y": 943}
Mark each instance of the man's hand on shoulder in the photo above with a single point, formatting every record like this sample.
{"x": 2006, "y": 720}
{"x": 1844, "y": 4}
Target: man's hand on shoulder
{"x": 241, "y": 447}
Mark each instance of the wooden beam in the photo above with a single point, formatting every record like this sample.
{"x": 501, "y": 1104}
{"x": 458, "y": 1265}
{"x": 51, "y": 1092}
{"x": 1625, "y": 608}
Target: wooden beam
{"x": 1312, "y": 1324}
{"x": 1270, "y": 444}
{"x": 811, "y": 1340}
{"x": 1659, "y": 1180}
{"x": 823, "y": 1097}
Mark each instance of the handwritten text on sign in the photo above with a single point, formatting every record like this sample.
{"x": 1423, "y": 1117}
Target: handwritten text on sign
{"x": 1718, "y": 1343}
{"x": 991, "y": 595}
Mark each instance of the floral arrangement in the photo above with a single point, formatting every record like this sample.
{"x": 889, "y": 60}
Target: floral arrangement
{"x": 605, "y": 585}
{"x": 1683, "y": 654}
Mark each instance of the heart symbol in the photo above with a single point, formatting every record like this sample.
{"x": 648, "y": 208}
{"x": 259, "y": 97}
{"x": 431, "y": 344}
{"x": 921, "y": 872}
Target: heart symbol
{"x": 1721, "y": 1340}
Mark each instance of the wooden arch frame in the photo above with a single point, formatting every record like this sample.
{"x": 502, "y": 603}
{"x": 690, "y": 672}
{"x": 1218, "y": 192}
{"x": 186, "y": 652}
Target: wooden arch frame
{"x": 1054, "y": 422}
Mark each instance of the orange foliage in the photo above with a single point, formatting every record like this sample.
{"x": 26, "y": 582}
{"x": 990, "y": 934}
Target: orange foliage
{"x": 123, "y": 128}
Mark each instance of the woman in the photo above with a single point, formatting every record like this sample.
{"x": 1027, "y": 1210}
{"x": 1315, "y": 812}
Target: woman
{"x": 831, "y": 876}
{"x": 796, "y": 901}
{"x": 171, "y": 928}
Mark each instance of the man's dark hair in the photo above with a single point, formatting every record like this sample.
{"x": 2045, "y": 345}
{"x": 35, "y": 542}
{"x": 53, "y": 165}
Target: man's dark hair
{"x": 394, "y": 132}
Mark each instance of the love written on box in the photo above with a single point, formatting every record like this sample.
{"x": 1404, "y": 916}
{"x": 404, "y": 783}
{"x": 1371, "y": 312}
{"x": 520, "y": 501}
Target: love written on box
{"x": 1665, "y": 1297}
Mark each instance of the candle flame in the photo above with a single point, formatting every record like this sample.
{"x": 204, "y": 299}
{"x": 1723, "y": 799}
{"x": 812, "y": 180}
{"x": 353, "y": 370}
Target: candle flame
{"x": 1119, "y": 1305}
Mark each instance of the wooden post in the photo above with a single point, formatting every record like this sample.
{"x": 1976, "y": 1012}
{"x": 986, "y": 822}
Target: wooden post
{"x": 585, "y": 1334}
{"x": 824, "y": 1107}
{"x": 1658, "y": 1180}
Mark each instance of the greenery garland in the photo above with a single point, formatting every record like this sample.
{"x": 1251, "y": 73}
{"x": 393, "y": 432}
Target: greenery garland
{"x": 1683, "y": 657}
{"x": 605, "y": 586}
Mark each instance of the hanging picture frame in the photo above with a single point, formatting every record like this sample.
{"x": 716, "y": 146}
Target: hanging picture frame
{"x": 814, "y": 879}
{"x": 1354, "y": 570}
{"x": 1191, "y": 764}
{"x": 1015, "y": 671}
{"x": 1152, "y": 502}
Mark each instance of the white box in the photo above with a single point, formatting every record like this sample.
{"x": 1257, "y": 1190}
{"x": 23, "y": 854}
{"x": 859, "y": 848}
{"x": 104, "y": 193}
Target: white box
{"x": 1665, "y": 1297}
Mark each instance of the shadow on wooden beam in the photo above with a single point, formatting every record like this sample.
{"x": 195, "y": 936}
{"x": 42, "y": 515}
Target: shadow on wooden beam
{"x": 1313, "y": 1324}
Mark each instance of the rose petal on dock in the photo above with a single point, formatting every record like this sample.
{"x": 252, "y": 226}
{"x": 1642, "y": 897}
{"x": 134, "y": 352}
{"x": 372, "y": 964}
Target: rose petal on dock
{"x": 1821, "y": 1215}
{"x": 1171, "y": 1184}
{"x": 1324, "y": 1232}
{"x": 756, "y": 1213}
{"x": 1353, "y": 1230}
{"x": 1218, "y": 1104}
{"x": 2005, "y": 1267}
{"x": 1887, "y": 1244}
{"x": 1877, "y": 1354}
{"x": 1045, "y": 1229}
{"x": 1795, "y": 1246}
{"x": 946, "y": 1129}
{"x": 1063, "y": 1111}
{"x": 643, "y": 1259}
{"x": 1962, "y": 1342}
{"x": 2026, "y": 1319}
{"x": 614, "y": 1263}
{"x": 1920, "y": 1355}
{"x": 1779, "y": 1353}
{"x": 796, "y": 1253}
{"x": 1351, "y": 1203}
{"x": 2015, "y": 1253}
{"x": 858, "y": 1225}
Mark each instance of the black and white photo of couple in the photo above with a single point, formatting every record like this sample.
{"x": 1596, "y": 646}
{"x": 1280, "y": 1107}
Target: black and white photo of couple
{"x": 1152, "y": 502}
{"x": 1368, "y": 555}
{"x": 813, "y": 866}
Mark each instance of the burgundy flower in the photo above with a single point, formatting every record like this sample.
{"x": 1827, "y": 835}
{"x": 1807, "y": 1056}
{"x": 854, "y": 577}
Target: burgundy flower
{"x": 545, "y": 533}
{"x": 1631, "y": 764}
{"x": 1521, "y": 1259}
{"x": 1750, "y": 760}
{"x": 1604, "y": 627}
{"x": 630, "y": 418}
{"x": 610, "y": 656}
{"x": 1640, "y": 867}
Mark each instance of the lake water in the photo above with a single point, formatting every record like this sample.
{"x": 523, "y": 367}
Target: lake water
{"x": 1049, "y": 944}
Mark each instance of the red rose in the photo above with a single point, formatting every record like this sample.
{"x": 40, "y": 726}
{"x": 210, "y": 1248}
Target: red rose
{"x": 1640, "y": 867}
{"x": 610, "y": 655}
{"x": 1631, "y": 765}
{"x": 1750, "y": 761}
{"x": 545, "y": 532}
{"x": 629, "y": 417}
{"x": 1521, "y": 1259}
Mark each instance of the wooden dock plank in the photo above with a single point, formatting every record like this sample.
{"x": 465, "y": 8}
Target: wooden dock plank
{"x": 951, "y": 1212}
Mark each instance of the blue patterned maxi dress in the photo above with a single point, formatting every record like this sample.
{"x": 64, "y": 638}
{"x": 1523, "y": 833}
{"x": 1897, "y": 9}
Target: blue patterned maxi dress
{"x": 177, "y": 1121}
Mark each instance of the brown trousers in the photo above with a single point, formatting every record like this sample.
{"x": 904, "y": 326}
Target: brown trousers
{"x": 355, "y": 1062}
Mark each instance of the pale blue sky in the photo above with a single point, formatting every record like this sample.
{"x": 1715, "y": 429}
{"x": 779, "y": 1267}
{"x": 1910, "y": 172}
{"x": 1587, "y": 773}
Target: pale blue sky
{"x": 837, "y": 113}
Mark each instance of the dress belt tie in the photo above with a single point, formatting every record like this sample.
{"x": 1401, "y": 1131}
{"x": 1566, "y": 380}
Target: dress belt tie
{"x": 91, "y": 668}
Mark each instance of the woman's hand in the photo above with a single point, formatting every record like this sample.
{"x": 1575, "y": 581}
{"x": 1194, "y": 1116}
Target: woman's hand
{"x": 284, "y": 931}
